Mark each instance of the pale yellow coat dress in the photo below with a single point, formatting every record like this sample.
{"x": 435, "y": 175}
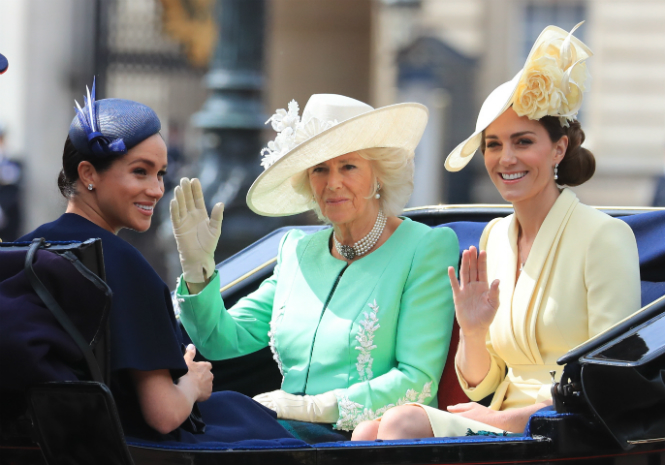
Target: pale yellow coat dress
{"x": 581, "y": 277}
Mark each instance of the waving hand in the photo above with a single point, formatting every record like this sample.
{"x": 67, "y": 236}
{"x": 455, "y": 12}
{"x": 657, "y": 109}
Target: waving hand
{"x": 476, "y": 302}
{"x": 196, "y": 235}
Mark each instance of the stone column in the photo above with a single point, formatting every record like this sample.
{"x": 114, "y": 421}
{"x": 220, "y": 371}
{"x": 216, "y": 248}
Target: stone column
{"x": 232, "y": 119}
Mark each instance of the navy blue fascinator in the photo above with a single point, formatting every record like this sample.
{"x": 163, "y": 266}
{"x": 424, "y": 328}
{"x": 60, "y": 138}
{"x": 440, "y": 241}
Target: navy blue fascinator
{"x": 112, "y": 126}
{"x": 4, "y": 64}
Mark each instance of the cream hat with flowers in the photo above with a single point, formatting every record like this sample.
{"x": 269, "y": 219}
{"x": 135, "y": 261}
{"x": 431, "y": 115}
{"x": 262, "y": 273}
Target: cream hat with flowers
{"x": 551, "y": 83}
{"x": 331, "y": 125}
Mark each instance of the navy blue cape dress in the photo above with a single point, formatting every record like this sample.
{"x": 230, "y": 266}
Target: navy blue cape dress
{"x": 146, "y": 336}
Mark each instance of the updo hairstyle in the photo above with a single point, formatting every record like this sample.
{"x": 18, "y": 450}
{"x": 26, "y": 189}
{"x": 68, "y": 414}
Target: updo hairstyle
{"x": 69, "y": 174}
{"x": 578, "y": 164}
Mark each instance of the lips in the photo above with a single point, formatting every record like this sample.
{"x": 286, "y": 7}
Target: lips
{"x": 146, "y": 209}
{"x": 335, "y": 201}
{"x": 513, "y": 176}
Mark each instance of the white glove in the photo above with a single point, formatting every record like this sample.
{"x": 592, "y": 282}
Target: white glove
{"x": 196, "y": 235}
{"x": 321, "y": 408}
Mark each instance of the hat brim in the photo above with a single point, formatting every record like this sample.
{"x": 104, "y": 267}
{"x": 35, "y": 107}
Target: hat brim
{"x": 496, "y": 103}
{"x": 501, "y": 99}
{"x": 395, "y": 126}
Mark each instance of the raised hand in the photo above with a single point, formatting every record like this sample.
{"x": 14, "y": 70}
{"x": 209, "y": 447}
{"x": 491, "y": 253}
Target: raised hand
{"x": 196, "y": 235}
{"x": 476, "y": 302}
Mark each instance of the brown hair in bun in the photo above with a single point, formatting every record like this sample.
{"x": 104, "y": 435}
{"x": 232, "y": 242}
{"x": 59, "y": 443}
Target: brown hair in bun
{"x": 578, "y": 164}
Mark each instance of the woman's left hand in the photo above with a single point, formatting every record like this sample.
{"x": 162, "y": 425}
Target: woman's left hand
{"x": 321, "y": 408}
{"x": 513, "y": 420}
{"x": 477, "y": 412}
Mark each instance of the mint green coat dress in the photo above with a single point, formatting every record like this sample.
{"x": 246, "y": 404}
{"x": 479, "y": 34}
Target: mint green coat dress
{"x": 376, "y": 331}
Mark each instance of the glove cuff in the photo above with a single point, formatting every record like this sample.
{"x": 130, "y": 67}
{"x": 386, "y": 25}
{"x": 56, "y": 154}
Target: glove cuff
{"x": 198, "y": 272}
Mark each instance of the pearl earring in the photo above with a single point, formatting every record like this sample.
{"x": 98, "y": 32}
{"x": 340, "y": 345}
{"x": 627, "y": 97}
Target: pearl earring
{"x": 556, "y": 171}
{"x": 378, "y": 188}
{"x": 90, "y": 187}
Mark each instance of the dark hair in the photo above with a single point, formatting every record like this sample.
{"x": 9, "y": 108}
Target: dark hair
{"x": 69, "y": 174}
{"x": 578, "y": 164}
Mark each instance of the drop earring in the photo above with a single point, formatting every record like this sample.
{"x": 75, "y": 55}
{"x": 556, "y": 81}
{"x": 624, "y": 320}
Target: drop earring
{"x": 378, "y": 188}
{"x": 556, "y": 171}
{"x": 90, "y": 187}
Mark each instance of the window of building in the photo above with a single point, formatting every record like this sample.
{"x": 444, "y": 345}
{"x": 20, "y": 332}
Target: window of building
{"x": 540, "y": 14}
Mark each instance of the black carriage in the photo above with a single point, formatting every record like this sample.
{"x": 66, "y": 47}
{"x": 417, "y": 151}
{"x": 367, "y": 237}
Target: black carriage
{"x": 609, "y": 406}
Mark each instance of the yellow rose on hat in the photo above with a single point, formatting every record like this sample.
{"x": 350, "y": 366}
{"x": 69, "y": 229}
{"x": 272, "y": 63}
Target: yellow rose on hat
{"x": 552, "y": 82}
{"x": 539, "y": 91}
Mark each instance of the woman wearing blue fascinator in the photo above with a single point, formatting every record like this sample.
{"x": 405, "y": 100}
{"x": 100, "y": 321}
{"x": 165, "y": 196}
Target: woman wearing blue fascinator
{"x": 113, "y": 165}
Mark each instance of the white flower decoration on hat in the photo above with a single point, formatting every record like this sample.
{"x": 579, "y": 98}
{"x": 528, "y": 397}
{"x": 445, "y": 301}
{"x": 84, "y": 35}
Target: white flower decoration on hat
{"x": 283, "y": 119}
{"x": 277, "y": 148}
{"x": 291, "y": 132}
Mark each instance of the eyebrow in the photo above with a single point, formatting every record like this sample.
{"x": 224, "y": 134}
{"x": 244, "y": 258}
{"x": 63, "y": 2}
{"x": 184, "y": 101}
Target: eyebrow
{"x": 517, "y": 134}
{"x": 146, "y": 161}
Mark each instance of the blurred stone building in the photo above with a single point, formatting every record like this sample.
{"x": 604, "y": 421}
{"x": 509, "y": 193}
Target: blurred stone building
{"x": 387, "y": 51}
{"x": 624, "y": 115}
{"x": 447, "y": 54}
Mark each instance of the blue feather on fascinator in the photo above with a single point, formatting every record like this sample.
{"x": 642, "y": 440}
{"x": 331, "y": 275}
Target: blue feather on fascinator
{"x": 111, "y": 127}
{"x": 99, "y": 144}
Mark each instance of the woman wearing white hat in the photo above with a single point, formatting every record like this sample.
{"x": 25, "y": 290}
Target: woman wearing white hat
{"x": 358, "y": 316}
{"x": 560, "y": 271}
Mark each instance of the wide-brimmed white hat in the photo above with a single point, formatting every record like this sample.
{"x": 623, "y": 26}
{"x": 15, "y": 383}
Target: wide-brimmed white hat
{"x": 331, "y": 125}
{"x": 551, "y": 83}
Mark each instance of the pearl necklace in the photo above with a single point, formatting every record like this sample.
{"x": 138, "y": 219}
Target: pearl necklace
{"x": 365, "y": 244}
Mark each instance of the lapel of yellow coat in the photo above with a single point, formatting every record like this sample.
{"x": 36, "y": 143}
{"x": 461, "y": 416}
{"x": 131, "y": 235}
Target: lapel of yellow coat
{"x": 529, "y": 291}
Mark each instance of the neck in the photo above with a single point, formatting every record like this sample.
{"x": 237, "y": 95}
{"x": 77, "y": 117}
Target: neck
{"x": 351, "y": 232}
{"x": 531, "y": 213}
{"x": 90, "y": 212}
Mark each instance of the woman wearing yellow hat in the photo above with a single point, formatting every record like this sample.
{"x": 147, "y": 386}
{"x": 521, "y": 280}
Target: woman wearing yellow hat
{"x": 548, "y": 277}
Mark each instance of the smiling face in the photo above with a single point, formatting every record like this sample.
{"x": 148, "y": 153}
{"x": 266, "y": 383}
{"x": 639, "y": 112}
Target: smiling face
{"x": 520, "y": 157}
{"x": 341, "y": 187}
{"x": 127, "y": 192}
